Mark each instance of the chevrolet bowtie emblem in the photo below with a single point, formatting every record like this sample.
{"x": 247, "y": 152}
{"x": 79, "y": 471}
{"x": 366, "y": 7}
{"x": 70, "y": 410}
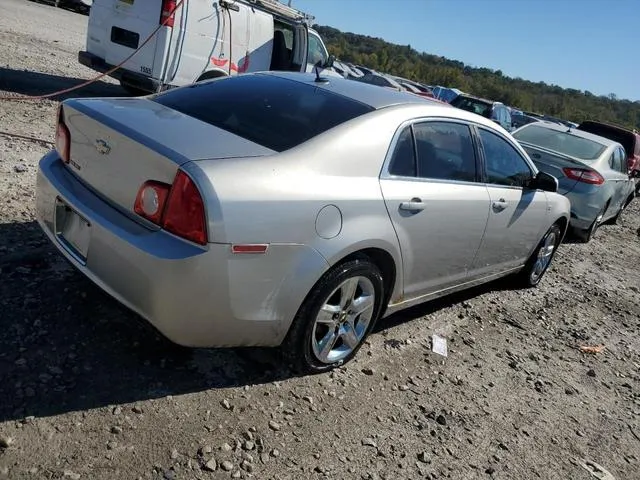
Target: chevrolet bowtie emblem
{"x": 102, "y": 147}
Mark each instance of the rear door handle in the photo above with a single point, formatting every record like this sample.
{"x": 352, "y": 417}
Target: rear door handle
{"x": 415, "y": 205}
{"x": 500, "y": 204}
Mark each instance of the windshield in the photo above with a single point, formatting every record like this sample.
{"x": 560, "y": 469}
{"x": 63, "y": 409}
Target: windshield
{"x": 473, "y": 105}
{"x": 560, "y": 141}
{"x": 273, "y": 112}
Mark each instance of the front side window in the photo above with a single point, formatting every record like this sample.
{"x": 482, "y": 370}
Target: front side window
{"x": 504, "y": 164}
{"x": 317, "y": 52}
{"x": 435, "y": 150}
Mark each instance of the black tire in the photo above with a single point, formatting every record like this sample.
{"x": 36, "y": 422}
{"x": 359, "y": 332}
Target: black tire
{"x": 616, "y": 219}
{"x": 530, "y": 276}
{"x": 297, "y": 348}
{"x": 585, "y": 236}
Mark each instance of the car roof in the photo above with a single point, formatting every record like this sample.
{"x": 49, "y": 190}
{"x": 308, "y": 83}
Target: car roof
{"x": 372, "y": 95}
{"x": 480, "y": 99}
{"x": 574, "y": 131}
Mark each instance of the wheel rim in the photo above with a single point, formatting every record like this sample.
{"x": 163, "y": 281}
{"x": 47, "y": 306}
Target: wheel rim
{"x": 343, "y": 320}
{"x": 544, "y": 256}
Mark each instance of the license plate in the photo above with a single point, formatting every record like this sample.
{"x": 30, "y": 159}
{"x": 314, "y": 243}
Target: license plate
{"x": 73, "y": 231}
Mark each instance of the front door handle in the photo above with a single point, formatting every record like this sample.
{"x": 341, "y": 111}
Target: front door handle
{"x": 500, "y": 205}
{"x": 415, "y": 205}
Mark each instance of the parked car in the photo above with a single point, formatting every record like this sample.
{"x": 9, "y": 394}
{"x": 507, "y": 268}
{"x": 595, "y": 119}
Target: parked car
{"x": 591, "y": 172}
{"x": 380, "y": 80}
{"x": 496, "y": 111}
{"x": 629, "y": 139}
{"x": 297, "y": 212}
{"x": 518, "y": 120}
{"x": 267, "y": 35}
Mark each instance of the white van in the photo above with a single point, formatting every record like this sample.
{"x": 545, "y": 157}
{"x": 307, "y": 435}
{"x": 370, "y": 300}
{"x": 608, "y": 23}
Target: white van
{"x": 199, "y": 40}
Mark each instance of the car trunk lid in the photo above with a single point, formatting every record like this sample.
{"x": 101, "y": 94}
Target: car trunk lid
{"x": 553, "y": 163}
{"x": 118, "y": 144}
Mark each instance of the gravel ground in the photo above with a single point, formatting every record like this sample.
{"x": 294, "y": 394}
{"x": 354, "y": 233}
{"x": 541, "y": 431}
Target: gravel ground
{"x": 89, "y": 391}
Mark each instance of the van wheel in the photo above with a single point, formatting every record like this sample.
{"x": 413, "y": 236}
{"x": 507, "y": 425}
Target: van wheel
{"x": 336, "y": 317}
{"x": 210, "y": 75}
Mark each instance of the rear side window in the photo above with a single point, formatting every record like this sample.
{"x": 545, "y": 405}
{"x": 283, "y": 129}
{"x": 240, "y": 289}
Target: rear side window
{"x": 273, "y": 112}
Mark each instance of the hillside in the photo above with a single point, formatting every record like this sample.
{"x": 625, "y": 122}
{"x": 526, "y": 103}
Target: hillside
{"x": 402, "y": 60}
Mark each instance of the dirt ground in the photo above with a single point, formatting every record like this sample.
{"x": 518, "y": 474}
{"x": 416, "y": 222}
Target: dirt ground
{"x": 88, "y": 391}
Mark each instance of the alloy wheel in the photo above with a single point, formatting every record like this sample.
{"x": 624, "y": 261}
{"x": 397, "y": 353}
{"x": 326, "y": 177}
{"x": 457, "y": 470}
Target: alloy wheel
{"x": 343, "y": 320}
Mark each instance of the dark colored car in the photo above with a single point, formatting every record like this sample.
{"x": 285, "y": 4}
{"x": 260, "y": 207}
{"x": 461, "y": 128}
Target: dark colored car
{"x": 496, "y": 111}
{"x": 630, "y": 140}
{"x": 518, "y": 121}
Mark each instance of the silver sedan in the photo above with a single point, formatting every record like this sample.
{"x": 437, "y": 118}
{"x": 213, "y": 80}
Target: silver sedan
{"x": 592, "y": 172}
{"x": 282, "y": 209}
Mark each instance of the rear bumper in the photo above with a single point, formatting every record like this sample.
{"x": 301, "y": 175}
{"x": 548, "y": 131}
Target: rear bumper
{"x": 195, "y": 296}
{"x": 127, "y": 77}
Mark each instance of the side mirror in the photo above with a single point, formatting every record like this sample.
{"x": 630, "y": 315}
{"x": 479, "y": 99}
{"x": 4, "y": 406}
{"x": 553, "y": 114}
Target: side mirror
{"x": 329, "y": 62}
{"x": 544, "y": 181}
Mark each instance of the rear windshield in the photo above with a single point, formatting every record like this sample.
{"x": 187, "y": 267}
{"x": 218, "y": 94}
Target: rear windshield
{"x": 559, "y": 141}
{"x": 473, "y": 105}
{"x": 271, "y": 111}
{"x": 627, "y": 139}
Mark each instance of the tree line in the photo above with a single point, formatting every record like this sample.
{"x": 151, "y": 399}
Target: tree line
{"x": 404, "y": 61}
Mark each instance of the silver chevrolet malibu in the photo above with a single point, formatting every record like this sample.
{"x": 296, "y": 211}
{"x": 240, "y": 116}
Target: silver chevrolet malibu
{"x": 286, "y": 209}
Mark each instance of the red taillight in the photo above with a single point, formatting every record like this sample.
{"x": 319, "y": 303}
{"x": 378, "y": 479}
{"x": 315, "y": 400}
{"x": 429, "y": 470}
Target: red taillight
{"x": 168, "y": 16}
{"x": 177, "y": 208}
{"x": 583, "y": 175}
{"x": 63, "y": 138}
{"x": 151, "y": 200}
{"x": 184, "y": 213}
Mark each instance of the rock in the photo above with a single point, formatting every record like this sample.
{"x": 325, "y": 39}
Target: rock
{"x": 441, "y": 419}
{"x": 174, "y": 454}
{"x": 117, "y": 410}
{"x": 249, "y": 445}
{"x": 211, "y": 465}
{"x": 490, "y": 471}
{"x": 247, "y": 456}
{"x": 226, "y": 447}
{"x": 236, "y": 474}
{"x": 423, "y": 457}
{"x": 275, "y": 453}
{"x": 591, "y": 372}
{"x": 246, "y": 466}
{"x": 227, "y": 466}
{"x": 116, "y": 430}
{"x": 308, "y": 399}
{"x": 369, "y": 442}
{"x": 275, "y": 426}
{"x": 137, "y": 409}
{"x": 264, "y": 458}
{"x": 20, "y": 168}
{"x": 112, "y": 445}
{"x": 368, "y": 371}
{"x": 569, "y": 391}
{"x": 5, "y": 442}
{"x": 205, "y": 450}
{"x": 71, "y": 475}
{"x": 225, "y": 403}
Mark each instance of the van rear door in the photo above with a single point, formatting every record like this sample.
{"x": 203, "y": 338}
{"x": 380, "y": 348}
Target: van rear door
{"x": 118, "y": 27}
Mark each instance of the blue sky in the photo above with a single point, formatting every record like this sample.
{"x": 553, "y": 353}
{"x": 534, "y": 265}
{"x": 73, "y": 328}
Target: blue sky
{"x": 584, "y": 44}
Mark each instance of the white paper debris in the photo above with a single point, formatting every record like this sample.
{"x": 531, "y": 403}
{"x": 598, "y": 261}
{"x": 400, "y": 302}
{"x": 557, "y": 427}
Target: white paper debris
{"x": 439, "y": 345}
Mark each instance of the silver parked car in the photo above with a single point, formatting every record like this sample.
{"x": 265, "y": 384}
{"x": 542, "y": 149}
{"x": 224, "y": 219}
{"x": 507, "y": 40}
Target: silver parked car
{"x": 591, "y": 170}
{"x": 279, "y": 208}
